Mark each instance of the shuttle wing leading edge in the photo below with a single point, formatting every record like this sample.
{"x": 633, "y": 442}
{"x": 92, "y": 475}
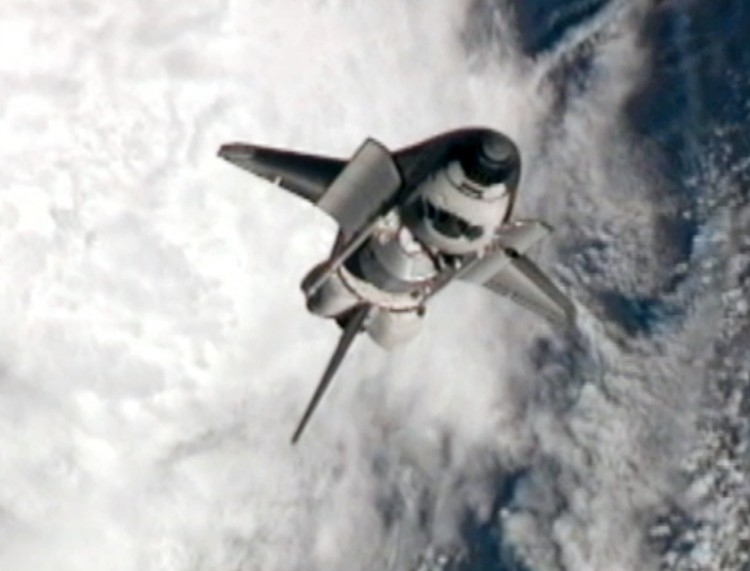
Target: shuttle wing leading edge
{"x": 353, "y": 192}
{"x": 522, "y": 281}
{"x": 308, "y": 176}
{"x": 508, "y": 272}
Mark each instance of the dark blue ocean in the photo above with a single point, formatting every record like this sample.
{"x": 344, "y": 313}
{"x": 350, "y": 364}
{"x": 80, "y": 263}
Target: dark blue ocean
{"x": 690, "y": 118}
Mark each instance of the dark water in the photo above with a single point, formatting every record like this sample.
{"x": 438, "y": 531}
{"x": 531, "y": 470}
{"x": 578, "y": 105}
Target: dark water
{"x": 691, "y": 116}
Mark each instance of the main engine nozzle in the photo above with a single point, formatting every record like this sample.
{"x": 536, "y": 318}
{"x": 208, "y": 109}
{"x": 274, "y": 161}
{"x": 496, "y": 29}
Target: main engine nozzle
{"x": 491, "y": 160}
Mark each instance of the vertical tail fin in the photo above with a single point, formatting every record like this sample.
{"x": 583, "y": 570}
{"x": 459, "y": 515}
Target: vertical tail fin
{"x": 352, "y": 327}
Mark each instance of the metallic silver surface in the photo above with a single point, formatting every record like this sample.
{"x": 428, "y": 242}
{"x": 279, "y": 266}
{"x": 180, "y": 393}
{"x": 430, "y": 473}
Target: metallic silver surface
{"x": 363, "y": 188}
{"x": 390, "y": 329}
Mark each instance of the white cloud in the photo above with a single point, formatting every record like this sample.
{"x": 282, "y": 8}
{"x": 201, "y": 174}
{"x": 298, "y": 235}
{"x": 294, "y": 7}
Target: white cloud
{"x": 155, "y": 347}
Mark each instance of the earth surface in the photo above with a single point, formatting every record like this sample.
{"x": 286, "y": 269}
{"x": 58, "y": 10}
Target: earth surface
{"x": 154, "y": 348}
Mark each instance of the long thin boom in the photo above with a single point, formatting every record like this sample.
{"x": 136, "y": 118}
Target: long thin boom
{"x": 351, "y": 330}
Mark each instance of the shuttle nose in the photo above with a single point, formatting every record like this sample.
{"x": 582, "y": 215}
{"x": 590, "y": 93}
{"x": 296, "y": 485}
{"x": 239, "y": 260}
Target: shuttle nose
{"x": 492, "y": 160}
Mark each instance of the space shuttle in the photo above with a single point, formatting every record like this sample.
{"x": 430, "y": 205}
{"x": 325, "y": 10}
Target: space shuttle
{"x": 410, "y": 222}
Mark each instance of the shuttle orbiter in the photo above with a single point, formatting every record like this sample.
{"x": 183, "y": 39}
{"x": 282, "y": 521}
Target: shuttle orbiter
{"x": 410, "y": 222}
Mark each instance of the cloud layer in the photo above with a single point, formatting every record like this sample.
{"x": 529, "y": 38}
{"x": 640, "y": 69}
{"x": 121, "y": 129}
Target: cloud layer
{"x": 155, "y": 348}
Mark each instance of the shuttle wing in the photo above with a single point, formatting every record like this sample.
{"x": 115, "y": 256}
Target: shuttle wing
{"x": 508, "y": 272}
{"x": 307, "y": 176}
{"x": 354, "y": 193}
{"x": 522, "y": 281}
